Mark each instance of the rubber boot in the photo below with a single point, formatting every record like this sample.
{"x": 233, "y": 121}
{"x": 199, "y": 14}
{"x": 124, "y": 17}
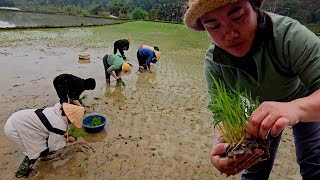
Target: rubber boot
{"x": 25, "y": 167}
{"x": 140, "y": 69}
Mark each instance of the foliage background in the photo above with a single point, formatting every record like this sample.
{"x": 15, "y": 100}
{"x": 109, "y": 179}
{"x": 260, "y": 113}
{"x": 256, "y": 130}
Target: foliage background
{"x": 306, "y": 11}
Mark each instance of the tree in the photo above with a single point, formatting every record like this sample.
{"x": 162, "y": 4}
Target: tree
{"x": 139, "y": 14}
{"x": 153, "y": 15}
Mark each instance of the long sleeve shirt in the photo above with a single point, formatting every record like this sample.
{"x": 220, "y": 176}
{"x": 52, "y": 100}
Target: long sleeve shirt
{"x": 148, "y": 54}
{"x": 34, "y": 135}
{"x": 115, "y": 63}
{"x": 287, "y": 64}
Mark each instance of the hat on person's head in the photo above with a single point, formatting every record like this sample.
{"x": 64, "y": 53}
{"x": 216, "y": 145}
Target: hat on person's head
{"x": 74, "y": 114}
{"x": 126, "y": 67}
{"x": 198, "y": 8}
{"x": 157, "y": 53}
{"x": 146, "y": 46}
{"x": 129, "y": 39}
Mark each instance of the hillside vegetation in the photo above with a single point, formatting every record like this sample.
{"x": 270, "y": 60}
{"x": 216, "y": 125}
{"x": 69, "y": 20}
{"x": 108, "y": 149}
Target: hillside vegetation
{"x": 306, "y": 11}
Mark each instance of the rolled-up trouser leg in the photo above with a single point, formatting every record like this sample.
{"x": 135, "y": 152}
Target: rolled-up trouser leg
{"x": 307, "y": 141}
{"x": 262, "y": 169}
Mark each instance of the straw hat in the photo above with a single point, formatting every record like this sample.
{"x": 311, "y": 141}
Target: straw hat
{"x": 198, "y": 8}
{"x": 74, "y": 113}
{"x": 157, "y": 53}
{"x": 146, "y": 46}
{"x": 126, "y": 67}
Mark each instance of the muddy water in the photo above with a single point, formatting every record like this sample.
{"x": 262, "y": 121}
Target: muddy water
{"x": 158, "y": 124}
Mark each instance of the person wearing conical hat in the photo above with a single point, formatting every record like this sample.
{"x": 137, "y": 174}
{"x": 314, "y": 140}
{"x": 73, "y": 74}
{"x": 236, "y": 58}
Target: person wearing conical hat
{"x": 147, "y": 55}
{"x": 69, "y": 87}
{"x": 40, "y": 132}
{"x": 115, "y": 66}
{"x": 121, "y": 45}
{"x": 276, "y": 60}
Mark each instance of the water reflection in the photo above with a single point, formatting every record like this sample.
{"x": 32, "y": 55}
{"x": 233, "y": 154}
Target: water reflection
{"x": 4, "y": 24}
{"x": 95, "y": 137}
{"x": 29, "y": 19}
{"x": 115, "y": 93}
{"x": 146, "y": 81}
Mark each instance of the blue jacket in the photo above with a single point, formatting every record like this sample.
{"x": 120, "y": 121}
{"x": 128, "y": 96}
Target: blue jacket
{"x": 147, "y": 54}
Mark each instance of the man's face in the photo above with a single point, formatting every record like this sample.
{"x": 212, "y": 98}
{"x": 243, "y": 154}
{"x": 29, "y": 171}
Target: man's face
{"x": 232, "y": 27}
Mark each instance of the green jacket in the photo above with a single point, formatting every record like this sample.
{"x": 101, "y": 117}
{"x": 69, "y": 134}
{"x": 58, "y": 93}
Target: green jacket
{"x": 115, "y": 63}
{"x": 288, "y": 65}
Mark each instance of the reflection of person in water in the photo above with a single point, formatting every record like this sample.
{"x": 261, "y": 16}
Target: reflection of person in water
{"x": 114, "y": 93}
{"x": 146, "y": 81}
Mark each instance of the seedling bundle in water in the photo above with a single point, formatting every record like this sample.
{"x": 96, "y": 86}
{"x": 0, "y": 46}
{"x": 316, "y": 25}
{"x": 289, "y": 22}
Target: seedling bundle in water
{"x": 96, "y": 121}
{"x": 230, "y": 111}
{"x": 121, "y": 83}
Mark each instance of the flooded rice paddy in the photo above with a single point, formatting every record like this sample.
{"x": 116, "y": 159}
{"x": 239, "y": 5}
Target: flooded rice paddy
{"x": 159, "y": 127}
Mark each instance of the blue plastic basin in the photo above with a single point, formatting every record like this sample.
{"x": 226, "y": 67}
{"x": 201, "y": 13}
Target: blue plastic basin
{"x": 93, "y": 129}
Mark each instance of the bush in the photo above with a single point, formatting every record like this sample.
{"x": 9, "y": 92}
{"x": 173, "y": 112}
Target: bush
{"x": 139, "y": 14}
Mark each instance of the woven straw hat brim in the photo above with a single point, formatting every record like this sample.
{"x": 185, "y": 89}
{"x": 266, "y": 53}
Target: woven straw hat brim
{"x": 157, "y": 53}
{"x": 198, "y": 8}
{"x": 74, "y": 113}
{"x": 148, "y": 47}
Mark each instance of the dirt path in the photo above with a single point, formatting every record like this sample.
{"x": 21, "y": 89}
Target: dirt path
{"x": 158, "y": 124}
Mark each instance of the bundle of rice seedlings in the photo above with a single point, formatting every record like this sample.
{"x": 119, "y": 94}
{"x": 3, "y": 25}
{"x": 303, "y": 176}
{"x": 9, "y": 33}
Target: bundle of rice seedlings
{"x": 230, "y": 112}
{"x": 75, "y": 132}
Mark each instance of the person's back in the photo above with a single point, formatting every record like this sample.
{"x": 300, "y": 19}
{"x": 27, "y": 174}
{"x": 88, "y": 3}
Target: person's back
{"x": 146, "y": 52}
{"x": 70, "y": 86}
{"x": 38, "y": 132}
{"x": 122, "y": 44}
{"x": 115, "y": 62}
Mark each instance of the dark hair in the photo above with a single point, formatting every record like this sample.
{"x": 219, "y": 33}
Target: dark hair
{"x": 256, "y": 3}
{"x": 90, "y": 83}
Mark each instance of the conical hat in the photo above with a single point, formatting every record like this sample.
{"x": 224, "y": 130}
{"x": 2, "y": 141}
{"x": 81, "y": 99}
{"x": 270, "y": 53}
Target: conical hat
{"x": 74, "y": 114}
{"x": 146, "y": 46}
{"x": 157, "y": 53}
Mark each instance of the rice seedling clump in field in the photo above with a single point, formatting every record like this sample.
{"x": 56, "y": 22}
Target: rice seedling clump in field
{"x": 230, "y": 111}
